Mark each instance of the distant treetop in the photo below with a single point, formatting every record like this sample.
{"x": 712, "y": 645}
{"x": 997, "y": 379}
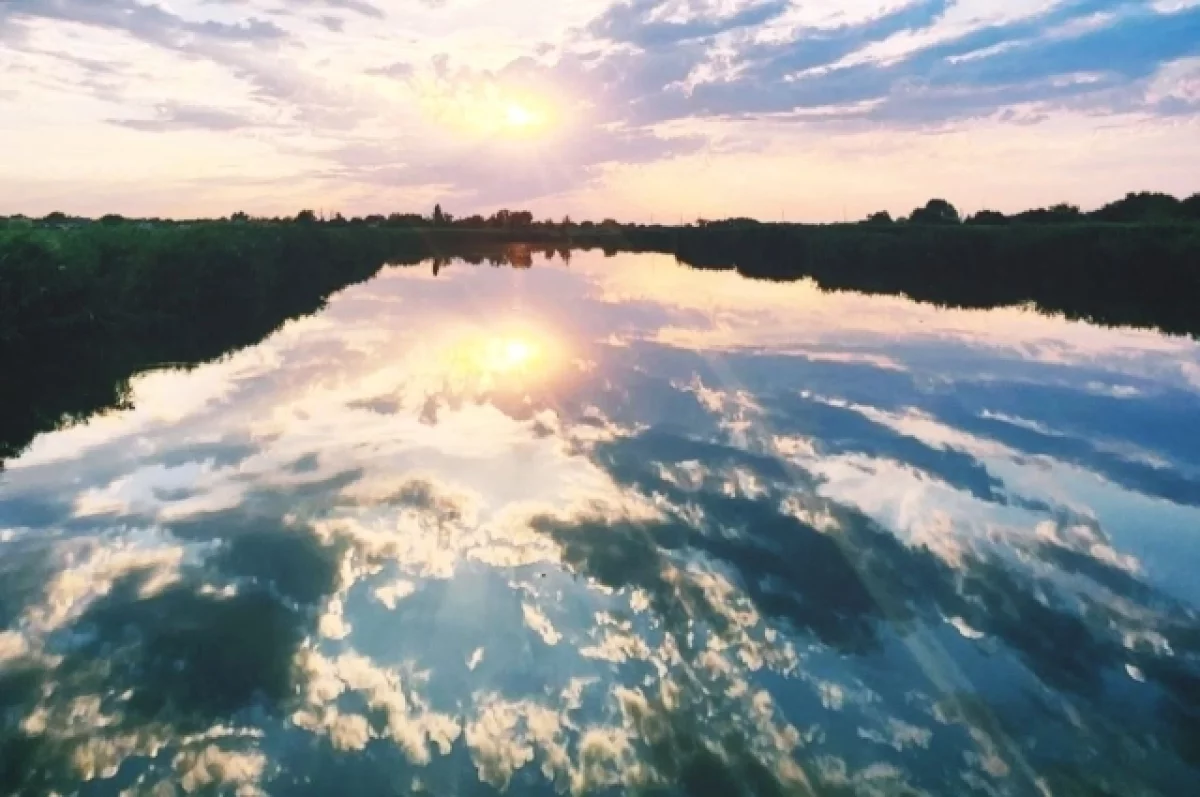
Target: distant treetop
{"x": 1144, "y": 206}
{"x": 936, "y": 211}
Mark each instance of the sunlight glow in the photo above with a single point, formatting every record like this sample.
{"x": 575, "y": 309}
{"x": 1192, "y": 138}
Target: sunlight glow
{"x": 516, "y": 357}
{"x": 517, "y": 353}
{"x": 493, "y": 111}
{"x": 519, "y": 116}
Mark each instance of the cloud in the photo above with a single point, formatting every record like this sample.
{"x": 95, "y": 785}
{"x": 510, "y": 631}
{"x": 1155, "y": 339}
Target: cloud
{"x": 390, "y": 594}
{"x": 153, "y": 24}
{"x": 211, "y": 767}
{"x": 540, "y": 624}
{"x": 399, "y": 70}
{"x": 397, "y": 712}
{"x": 250, "y": 50}
{"x": 912, "y": 61}
{"x": 333, "y": 24}
{"x": 172, "y": 117}
{"x": 363, "y": 7}
{"x": 1175, "y": 88}
{"x": 643, "y": 24}
{"x": 478, "y": 175}
{"x": 360, "y": 7}
{"x": 369, "y": 10}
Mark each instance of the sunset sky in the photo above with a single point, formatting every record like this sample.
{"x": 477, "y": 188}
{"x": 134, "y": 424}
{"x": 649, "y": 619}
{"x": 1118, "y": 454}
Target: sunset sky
{"x": 646, "y": 110}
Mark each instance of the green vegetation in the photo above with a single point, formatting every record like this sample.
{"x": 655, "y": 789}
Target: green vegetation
{"x": 62, "y": 283}
{"x": 84, "y": 305}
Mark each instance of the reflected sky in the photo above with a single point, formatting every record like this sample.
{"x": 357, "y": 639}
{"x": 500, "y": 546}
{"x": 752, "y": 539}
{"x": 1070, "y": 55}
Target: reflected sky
{"x": 617, "y": 526}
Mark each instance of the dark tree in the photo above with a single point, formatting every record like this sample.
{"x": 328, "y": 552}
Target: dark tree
{"x": 988, "y": 218}
{"x": 1190, "y": 208}
{"x": 936, "y": 211}
{"x": 1144, "y": 206}
{"x": 438, "y": 217}
{"x": 1061, "y": 213}
{"x": 306, "y": 217}
{"x": 405, "y": 220}
{"x": 881, "y": 218}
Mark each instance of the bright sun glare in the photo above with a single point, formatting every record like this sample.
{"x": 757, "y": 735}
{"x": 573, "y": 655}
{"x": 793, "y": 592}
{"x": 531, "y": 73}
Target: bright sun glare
{"x": 494, "y": 112}
{"x": 519, "y": 116}
{"x": 515, "y": 358}
{"x": 517, "y": 352}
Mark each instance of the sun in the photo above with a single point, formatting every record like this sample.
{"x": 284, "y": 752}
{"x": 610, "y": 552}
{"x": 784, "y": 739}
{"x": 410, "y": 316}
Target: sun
{"x": 518, "y": 116}
{"x": 517, "y": 351}
{"x": 514, "y": 353}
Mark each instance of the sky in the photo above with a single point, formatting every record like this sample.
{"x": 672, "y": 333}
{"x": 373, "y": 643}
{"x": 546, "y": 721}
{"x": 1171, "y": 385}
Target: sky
{"x": 650, "y": 110}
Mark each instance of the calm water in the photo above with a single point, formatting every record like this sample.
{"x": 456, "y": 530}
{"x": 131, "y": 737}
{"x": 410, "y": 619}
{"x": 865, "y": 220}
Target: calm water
{"x": 617, "y": 526}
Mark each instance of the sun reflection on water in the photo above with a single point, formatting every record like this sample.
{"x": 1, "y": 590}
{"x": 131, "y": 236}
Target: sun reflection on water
{"x": 511, "y": 358}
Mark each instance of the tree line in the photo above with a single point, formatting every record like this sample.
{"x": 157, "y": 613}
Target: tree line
{"x": 501, "y": 220}
{"x": 1134, "y": 208}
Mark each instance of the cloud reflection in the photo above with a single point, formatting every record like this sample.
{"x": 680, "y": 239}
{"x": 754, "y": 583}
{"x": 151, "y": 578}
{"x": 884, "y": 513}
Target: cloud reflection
{"x": 654, "y": 533}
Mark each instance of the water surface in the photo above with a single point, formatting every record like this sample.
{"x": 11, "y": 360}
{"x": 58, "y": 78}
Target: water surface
{"x": 615, "y": 526}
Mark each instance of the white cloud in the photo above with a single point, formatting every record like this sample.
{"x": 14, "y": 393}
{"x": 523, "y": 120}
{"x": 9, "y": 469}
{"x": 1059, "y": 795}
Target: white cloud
{"x": 391, "y": 594}
{"x": 801, "y": 17}
{"x": 960, "y": 18}
{"x": 91, "y": 568}
{"x": 1177, "y": 81}
{"x": 1173, "y": 6}
{"x": 408, "y": 721}
{"x": 214, "y": 768}
{"x": 497, "y": 746}
{"x": 13, "y": 646}
{"x": 540, "y": 624}
{"x": 332, "y": 624}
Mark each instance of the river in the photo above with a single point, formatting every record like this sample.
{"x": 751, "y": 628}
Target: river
{"x": 615, "y": 525}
